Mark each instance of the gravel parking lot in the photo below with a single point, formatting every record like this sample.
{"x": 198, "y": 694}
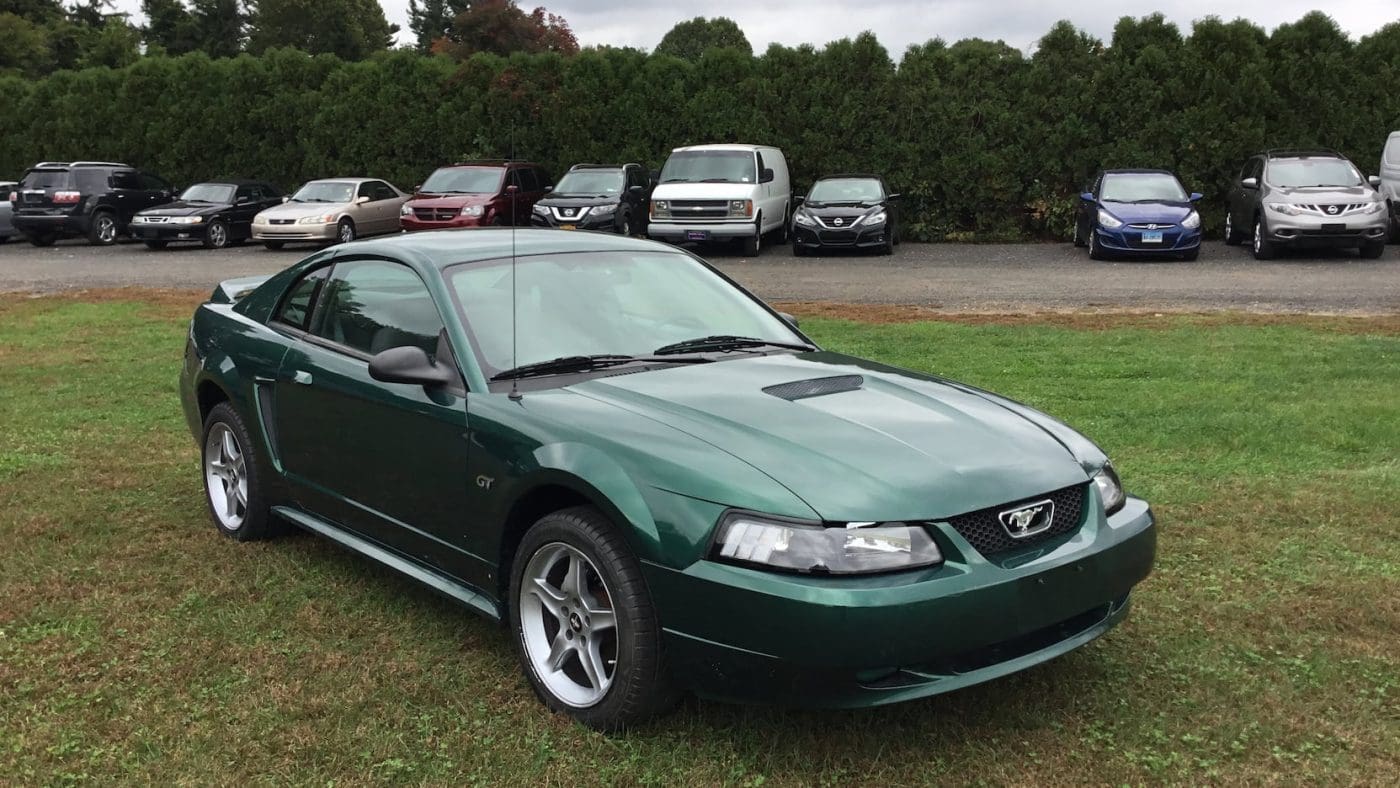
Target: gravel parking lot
{"x": 948, "y": 277}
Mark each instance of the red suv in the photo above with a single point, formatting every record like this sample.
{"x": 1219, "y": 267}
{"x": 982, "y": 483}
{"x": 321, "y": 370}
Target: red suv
{"x": 476, "y": 194}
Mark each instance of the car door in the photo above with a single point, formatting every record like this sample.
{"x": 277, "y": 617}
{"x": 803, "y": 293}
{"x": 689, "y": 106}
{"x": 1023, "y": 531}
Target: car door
{"x": 155, "y": 191}
{"x": 1088, "y": 210}
{"x": 127, "y": 194}
{"x": 517, "y": 202}
{"x": 387, "y": 460}
{"x": 386, "y": 205}
{"x": 246, "y": 204}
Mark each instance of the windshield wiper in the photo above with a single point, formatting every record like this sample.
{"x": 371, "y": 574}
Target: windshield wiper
{"x": 583, "y": 364}
{"x": 725, "y": 342}
{"x": 674, "y": 180}
{"x": 717, "y": 180}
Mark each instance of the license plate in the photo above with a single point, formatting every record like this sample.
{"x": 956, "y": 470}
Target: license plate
{"x": 1152, "y": 237}
{"x": 697, "y": 235}
{"x": 568, "y": 227}
{"x": 1334, "y": 228}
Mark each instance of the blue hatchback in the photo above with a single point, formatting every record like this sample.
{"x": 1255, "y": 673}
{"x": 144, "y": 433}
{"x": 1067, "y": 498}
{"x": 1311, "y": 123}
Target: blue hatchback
{"x": 1138, "y": 213}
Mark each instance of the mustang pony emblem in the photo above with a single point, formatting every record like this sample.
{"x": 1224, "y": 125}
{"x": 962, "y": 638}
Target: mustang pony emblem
{"x": 1028, "y": 520}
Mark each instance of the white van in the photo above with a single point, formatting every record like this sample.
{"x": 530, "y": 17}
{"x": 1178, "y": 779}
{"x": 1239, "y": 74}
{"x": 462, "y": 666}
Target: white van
{"x": 1390, "y": 182}
{"x": 722, "y": 192}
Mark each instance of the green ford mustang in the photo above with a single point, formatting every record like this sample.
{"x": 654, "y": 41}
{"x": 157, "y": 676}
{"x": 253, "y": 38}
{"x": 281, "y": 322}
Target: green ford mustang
{"x": 657, "y": 483}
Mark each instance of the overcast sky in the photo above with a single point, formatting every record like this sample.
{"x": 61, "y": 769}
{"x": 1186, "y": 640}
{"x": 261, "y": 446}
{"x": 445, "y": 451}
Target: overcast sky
{"x": 899, "y": 23}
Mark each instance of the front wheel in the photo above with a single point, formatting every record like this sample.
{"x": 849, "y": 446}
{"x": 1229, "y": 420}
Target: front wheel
{"x": 216, "y": 235}
{"x": 233, "y": 479}
{"x": 1372, "y": 251}
{"x": 588, "y": 635}
{"x": 1095, "y": 250}
{"x": 273, "y": 246}
{"x": 40, "y": 240}
{"x": 753, "y": 245}
{"x": 1263, "y": 247}
{"x": 1233, "y": 236}
{"x": 157, "y": 244}
{"x": 345, "y": 231}
{"x": 624, "y": 226}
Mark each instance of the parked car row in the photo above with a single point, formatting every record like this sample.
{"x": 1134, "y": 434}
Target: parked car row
{"x": 703, "y": 194}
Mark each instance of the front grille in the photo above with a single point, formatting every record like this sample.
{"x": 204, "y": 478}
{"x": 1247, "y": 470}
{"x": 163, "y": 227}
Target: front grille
{"x": 1332, "y": 210}
{"x": 838, "y": 237}
{"x": 435, "y": 214}
{"x": 156, "y": 219}
{"x": 1152, "y": 226}
{"x": 699, "y": 209}
{"x": 836, "y": 221}
{"x": 282, "y": 221}
{"x": 984, "y": 531}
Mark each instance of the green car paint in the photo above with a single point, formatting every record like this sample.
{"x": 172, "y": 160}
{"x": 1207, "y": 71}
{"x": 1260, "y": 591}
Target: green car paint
{"x": 442, "y": 482}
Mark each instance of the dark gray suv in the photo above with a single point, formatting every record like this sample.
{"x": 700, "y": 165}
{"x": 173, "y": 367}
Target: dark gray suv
{"x": 1305, "y": 199}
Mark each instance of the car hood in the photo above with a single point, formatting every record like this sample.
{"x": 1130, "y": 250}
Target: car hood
{"x": 1324, "y": 194}
{"x": 449, "y": 200}
{"x": 1158, "y": 212}
{"x": 581, "y": 201}
{"x": 840, "y": 210}
{"x": 182, "y": 208}
{"x": 900, "y": 446}
{"x": 703, "y": 191}
{"x": 298, "y": 210}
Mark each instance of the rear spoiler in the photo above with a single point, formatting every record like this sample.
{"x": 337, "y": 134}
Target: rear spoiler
{"x": 231, "y": 291}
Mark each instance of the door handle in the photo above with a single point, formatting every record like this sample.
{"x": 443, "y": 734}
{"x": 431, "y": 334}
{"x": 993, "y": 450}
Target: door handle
{"x": 301, "y": 376}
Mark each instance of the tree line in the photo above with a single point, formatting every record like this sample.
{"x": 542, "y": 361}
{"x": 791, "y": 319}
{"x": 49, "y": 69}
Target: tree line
{"x": 982, "y": 140}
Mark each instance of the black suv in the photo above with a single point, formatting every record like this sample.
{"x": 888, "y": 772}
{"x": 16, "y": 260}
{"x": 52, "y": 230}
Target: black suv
{"x": 84, "y": 199}
{"x": 613, "y": 198}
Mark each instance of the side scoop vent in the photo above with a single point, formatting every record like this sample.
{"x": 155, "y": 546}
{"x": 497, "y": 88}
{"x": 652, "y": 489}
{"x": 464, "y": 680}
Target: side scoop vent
{"x": 816, "y": 387}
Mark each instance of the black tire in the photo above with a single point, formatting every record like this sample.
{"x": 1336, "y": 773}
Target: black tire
{"x": 1096, "y": 252}
{"x": 1078, "y": 239}
{"x": 157, "y": 244}
{"x": 273, "y": 246}
{"x": 798, "y": 250}
{"x": 257, "y": 521}
{"x": 784, "y": 230}
{"x": 888, "y": 247}
{"x": 1233, "y": 236}
{"x": 1394, "y": 223}
{"x": 624, "y": 226}
{"x": 753, "y": 245}
{"x": 215, "y": 235}
{"x": 103, "y": 229}
{"x": 1372, "y": 251}
{"x": 40, "y": 240}
{"x": 1263, "y": 248}
{"x": 4, "y": 239}
{"x": 344, "y": 231}
{"x": 640, "y": 685}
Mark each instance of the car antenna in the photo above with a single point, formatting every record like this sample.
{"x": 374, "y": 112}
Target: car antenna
{"x": 511, "y": 189}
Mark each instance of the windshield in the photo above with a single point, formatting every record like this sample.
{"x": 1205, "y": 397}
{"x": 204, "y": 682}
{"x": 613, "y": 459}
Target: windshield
{"x": 588, "y": 303}
{"x": 208, "y": 192}
{"x": 846, "y": 190}
{"x": 325, "y": 191}
{"x": 590, "y": 182}
{"x": 709, "y": 166}
{"x": 1142, "y": 187}
{"x": 1299, "y": 173}
{"x": 463, "y": 180}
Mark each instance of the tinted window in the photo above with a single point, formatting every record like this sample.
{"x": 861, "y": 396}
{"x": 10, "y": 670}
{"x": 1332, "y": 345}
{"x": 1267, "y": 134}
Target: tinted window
{"x": 382, "y": 191}
{"x": 528, "y": 181}
{"x": 372, "y": 305}
{"x": 152, "y": 183}
{"x": 47, "y": 179}
{"x": 210, "y": 192}
{"x": 513, "y": 179}
{"x": 590, "y": 182}
{"x": 245, "y": 193}
{"x": 120, "y": 180}
{"x": 543, "y": 177}
{"x": 296, "y": 307}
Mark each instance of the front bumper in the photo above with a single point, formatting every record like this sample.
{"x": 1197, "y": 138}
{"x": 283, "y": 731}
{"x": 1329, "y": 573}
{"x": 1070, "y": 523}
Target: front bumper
{"x": 318, "y": 233}
{"x": 741, "y": 634}
{"x": 1315, "y": 232}
{"x": 167, "y": 232}
{"x": 681, "y": 232}
{"x": 412, "y": 223}
{"x": 821, "y": 237}
{"x": 606, "y": 223}
{"x": 1128, "y": 240}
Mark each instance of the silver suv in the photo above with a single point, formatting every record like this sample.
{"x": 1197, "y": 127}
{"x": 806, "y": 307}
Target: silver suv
{"x": 1312, "y": 199}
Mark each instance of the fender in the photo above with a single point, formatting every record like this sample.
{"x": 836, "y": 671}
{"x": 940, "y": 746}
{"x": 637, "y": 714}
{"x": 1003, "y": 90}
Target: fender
{"x": 576, "y": 465}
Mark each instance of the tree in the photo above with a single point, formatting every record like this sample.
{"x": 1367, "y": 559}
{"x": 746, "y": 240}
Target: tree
{"x": 25, "y": 52}
{"x": 221, "y": 27}
{"x": 169, "y": 27}
{"x": 689, "y": 40}
{"x": 349, "y": 29}
{"x": 431, "y": 20}
{"x": 502, "y": 27}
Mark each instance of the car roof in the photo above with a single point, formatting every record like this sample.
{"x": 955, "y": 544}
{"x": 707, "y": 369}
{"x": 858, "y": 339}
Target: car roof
{"x": 602, "y": 166}
{"x": 850, "y": 175}
{"x": 235, "y": 182}
{"x": 725, "y": 146}
{"x": 1302, "y": 153}
{"x": 490, "y": 163}
{"x": 328, "y": 180}
{"x": 1138, "y": 171}
{"x": 442, "y": 248}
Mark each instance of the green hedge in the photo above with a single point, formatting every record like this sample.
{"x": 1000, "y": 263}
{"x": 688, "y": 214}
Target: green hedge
{"x": 983, "y": 141}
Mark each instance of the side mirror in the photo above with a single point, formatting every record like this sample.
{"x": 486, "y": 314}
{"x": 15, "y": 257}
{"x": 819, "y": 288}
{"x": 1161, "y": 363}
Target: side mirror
{"x": 1196, "y": 197}
{"x": 548, "y": 189}
{"x": 1087, "y": 196}
{"x": 635, "y": 190}
{"x": 417, "y": 188}
{"x": 892, "y": 196}
{"x": 286, "y": 198}
{"x": 362, "y": 199}
{"x": 1374, "y": 180}
{"x": 408, "y": 364}
{"x": 799, "y": 199}
{"x": 766, "y": 176}
{"x": 789, "y": 318}
{"x": 1250, "y": 183}
{"x": 655, "y": 176}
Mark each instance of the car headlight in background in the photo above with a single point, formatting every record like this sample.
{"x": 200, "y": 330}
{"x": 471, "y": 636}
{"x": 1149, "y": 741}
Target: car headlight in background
{"x": 326, "y": 219}
{"x": 660, "y": 209}
{"x": 1287, "y": 209}
{"x": 1375, "y": 207}
{"x": 405, "y": 210}
{"x": 186, "y": 219}
{"x": 854, "y": 548}
{"x": 598, "y": 211}
{"x": 542, "y": 210}
{"x": 1110, "y": 489}
{"x": 1109, "y": 221}
{"x": 473, "y": 210}
{"x": 740, "y": 209}
{"x": 1192, "y": 221}
{"x": 805, "y": 219}
{"x": 872, "y": 219}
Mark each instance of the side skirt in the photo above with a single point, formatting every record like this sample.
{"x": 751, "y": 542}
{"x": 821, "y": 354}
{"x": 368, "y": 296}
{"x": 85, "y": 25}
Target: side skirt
{"x": 438, "y": 582}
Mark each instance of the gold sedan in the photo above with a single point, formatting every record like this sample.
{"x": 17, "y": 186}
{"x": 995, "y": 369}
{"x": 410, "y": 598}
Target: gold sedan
{"x": 333, "y": 210}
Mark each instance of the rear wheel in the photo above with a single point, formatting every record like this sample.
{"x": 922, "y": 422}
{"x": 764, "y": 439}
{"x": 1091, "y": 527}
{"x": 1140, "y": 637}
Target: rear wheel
{"x": 1233, "y": 235}
{"x": 157, "y": 244}
{"x": 624, "y": 226}
{"x": 216, "y": 235}
{"x": 103, "y": 230}
{"x": 1078, "y": 238}
{"x": 1263, "y": 247}
{"x": 40, "y": 240}
{"x": 588, "y": 635}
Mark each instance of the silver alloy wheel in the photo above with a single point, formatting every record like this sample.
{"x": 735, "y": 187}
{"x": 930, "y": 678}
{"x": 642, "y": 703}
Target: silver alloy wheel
{"x": 567, "y": 625}
{"x": 1076, "y": 240}
{"x": 1229, "y": 227}
{"x": 1258, "y": 235}
{"x": 1093, "y": 242}
{"x": 226, "y": 476}
{"x": 218, "y": 236}
{"x": 106, "y": 228}
{"x": 347, "y": 232}
{"x": 626, "y": 227}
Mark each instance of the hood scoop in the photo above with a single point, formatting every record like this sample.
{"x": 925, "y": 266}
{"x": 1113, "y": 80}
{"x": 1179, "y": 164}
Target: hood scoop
{"x": 816, "y": 387}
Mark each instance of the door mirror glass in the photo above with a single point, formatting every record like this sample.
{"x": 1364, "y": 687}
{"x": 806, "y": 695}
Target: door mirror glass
{"x": 635, "y": 189}
{"x": 766, "y": 176}
{"x": 408, "y": 364}
{"x": 799, "y": 199}
{"x": 1250, "y": 183}
{"x": 1374, "y": 180}
{"x": 790, "y": 318}
{"x": 892, "y": 196}
{"x": 362, "y": 199}
{"x": 1196, "y": 197}
{"x": 1087, "y": 196}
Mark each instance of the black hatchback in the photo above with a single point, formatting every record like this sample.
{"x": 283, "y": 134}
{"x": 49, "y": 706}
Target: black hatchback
{"x": 84, "y": 199}
{"x": 216, "y": 214}
{"x": 850, "y": 211}
{"x": 612, "y": 198}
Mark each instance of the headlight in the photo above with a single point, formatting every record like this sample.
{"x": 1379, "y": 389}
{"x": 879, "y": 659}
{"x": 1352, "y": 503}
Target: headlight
{"x": 138, "y": 219}
{"x": 405, "y": 210}
{"x": 873, "y": 220}
{"x": 1110, "y": 489}
{"x": 740, "y": 209}
{"x": 1375, "y": 207}
{"x": 542, "y": 210}
{"x": 473, "y": 210}
{"x": 327, "y": 219}
{"x": 1108, "y": 220}
{"x": 1192, "y": 221}
{"x": 660, "y": 209}
{"x": 805, "y": 219}
{"x": 855, "y": 548}
{"x": 186, "y": 219}
{"x": 1286, "y": 209}
{"x": 599, "y": 210}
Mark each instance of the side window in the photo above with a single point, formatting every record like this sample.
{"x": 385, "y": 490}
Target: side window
{"x": 513, "y": 179}
{"x": 382, "y": 191}
{"x": 760, "y": 163}
{"x": 1392, "y": 151}
{"x": 301, "y": 299}
{"x": 543, "y": 178}
{"x": 528, "y": 181}
{"x": 366, "y": 190}
{"x": 1256, "y": 169}
{"x": 127, "y": 180}
{"x": 266, "y": 193}
{"x": 152, "y": 183}
{"x": 244, "y": 194}
{"x": 374, "y": 305}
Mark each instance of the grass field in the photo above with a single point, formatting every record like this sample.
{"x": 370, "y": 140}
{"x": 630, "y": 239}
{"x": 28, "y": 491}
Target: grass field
{"x": 138, "y": 645}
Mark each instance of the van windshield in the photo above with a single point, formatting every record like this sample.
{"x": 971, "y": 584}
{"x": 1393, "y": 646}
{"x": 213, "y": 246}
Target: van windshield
{"x": 463, "y": 180}
{"x": 710, "y": 166}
